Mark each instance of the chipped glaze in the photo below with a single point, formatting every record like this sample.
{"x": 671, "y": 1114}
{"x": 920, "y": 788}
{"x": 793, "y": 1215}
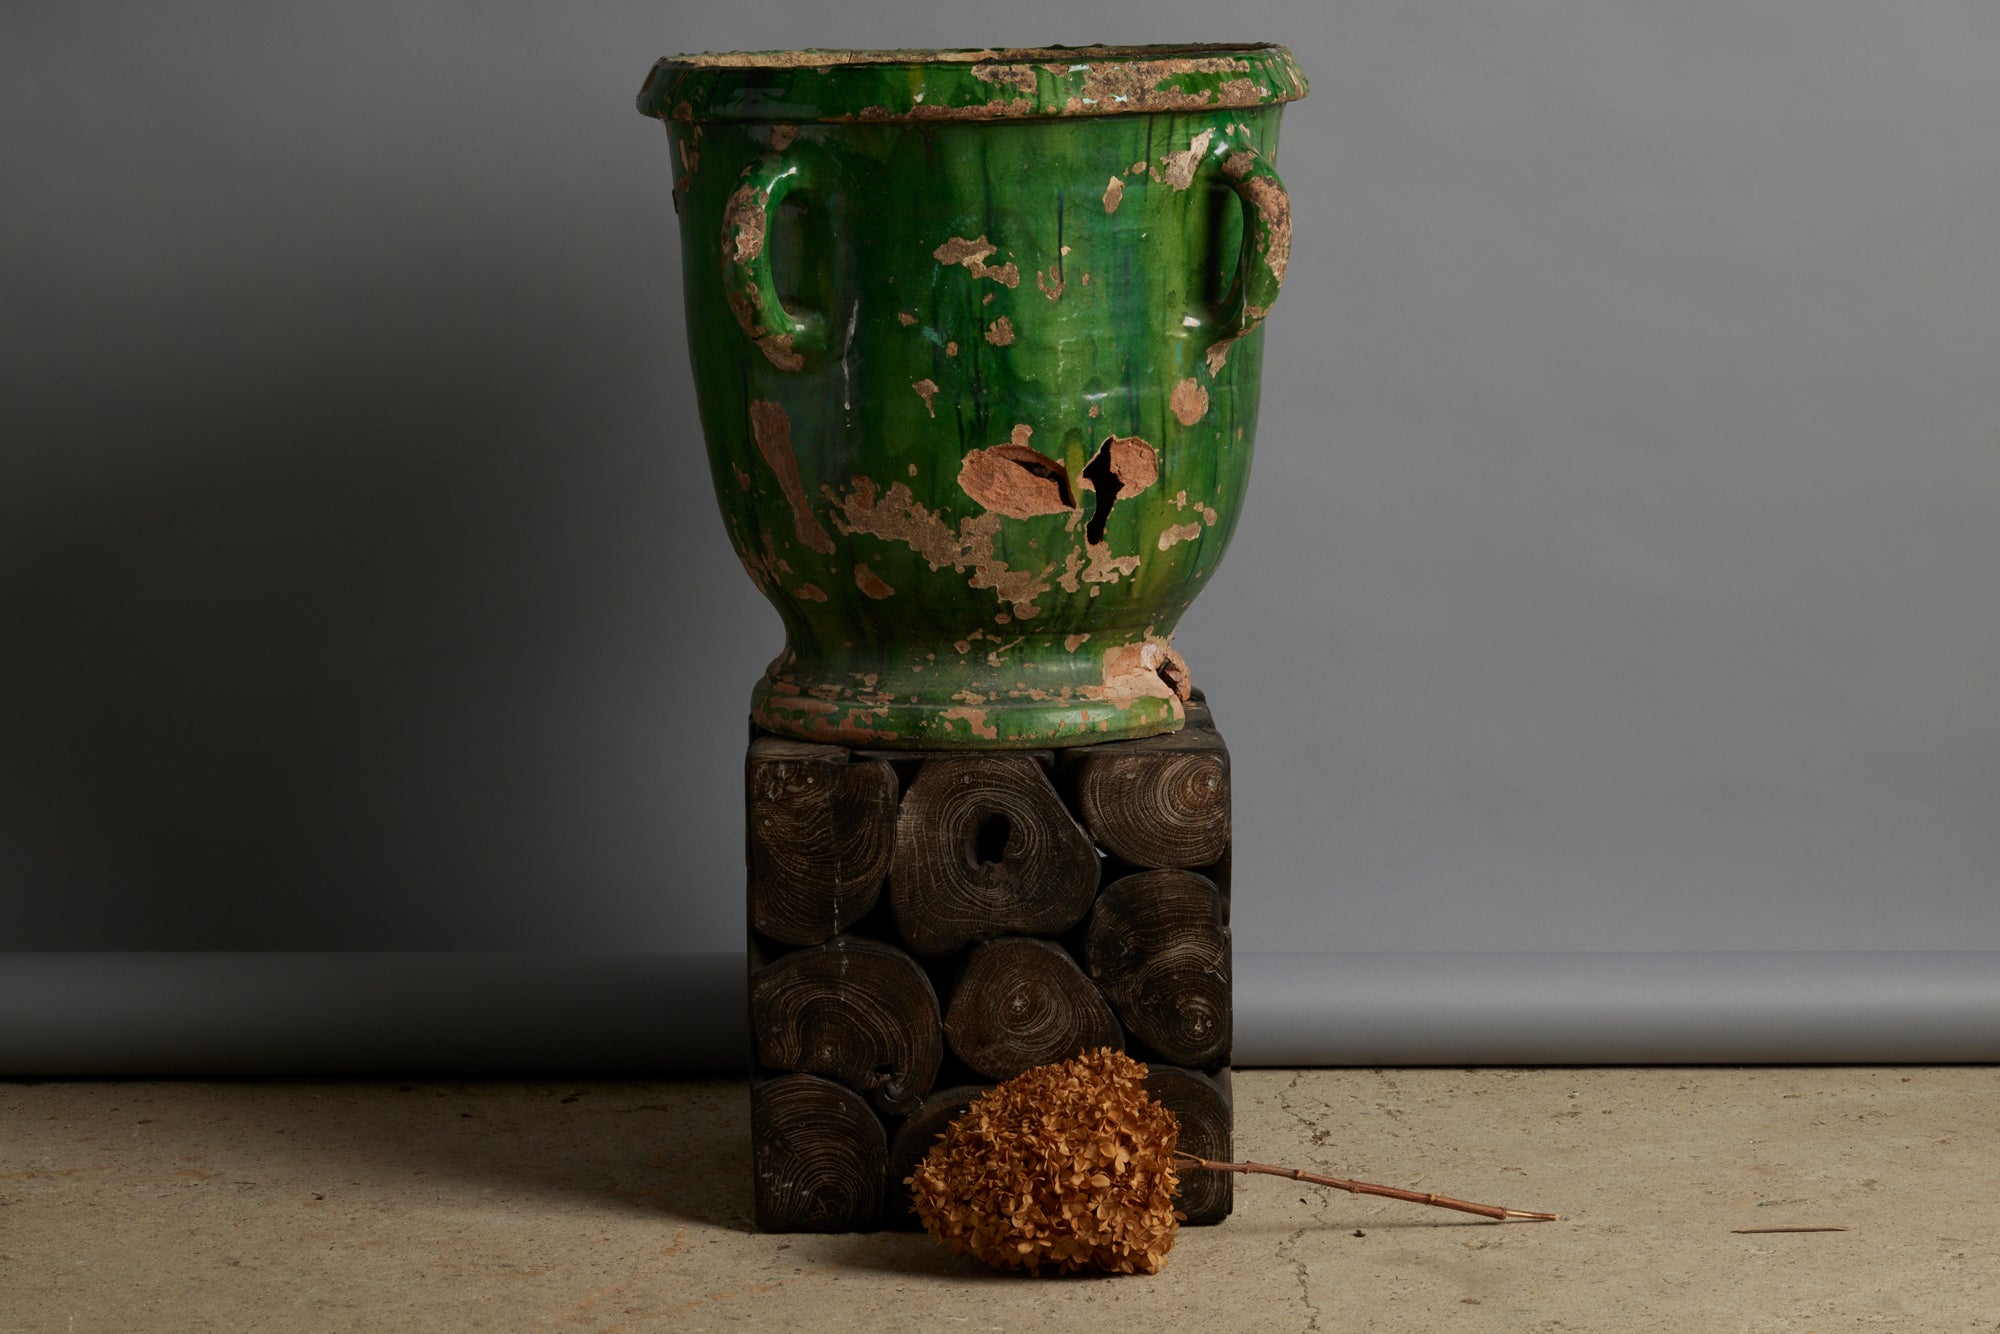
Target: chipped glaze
{"x": 976, "y": 343}
{"x": 877, "y": 86}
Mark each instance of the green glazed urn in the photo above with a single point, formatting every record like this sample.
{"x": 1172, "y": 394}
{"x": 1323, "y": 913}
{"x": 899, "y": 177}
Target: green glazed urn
{"x": 976, "y": 339}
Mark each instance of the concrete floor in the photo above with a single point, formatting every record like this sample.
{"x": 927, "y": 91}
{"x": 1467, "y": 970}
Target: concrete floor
{"x": 625, "y": 1206}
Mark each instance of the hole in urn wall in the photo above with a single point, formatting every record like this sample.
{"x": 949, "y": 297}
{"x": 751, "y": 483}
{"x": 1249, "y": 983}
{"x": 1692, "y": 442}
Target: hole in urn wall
{"x": 1104, "y": 481}
{"x": 1124, "y": 466}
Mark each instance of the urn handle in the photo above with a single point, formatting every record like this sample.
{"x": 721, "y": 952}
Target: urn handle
{"x": 784, "y": 337}
{"x": 1267, "y": 245}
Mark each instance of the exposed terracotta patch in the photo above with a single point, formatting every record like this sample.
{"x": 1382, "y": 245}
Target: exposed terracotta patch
{"x": 1105, "y": 568}
{"x": 1093, "y": 409}
{"x": 907, "y": 317}
{"x": 995, "y": 657}
{"x": 927, "y": 390}
{"x": 1001, "y": 332}
{"x": 973, "y": 718}
{"x": 1014, "y": 76}
{"x": 742, "y": 478}
{"x": 871, "y": 583}
{"x": 1051, "y": 284}
{"x": 1015, "y": 480}
{"x": 1071, "y": 643}
{"x": 743, "y": 241}
{"x": 1273, "y": 207}
{"x": 1134, "y": 85}
{"x": 1148, "y": 670}
{"x": 973, "y": 254}
{"x": 811, "y": 592}
{"x": 1208, "y": 514}
{"x": 772, "y": 430}
{"x": 1113, "y": 81}
{"x": 951, "y": 349}
{"x": 1114, "y": 194}
{"x": 1072, "y": 574}
{"x": 1177, "y": 169}
{"x": 765, "y": 567}
{"x": 1180, "y": 532}
{"x": 777, "y": 349}
{"x": 895, "y": 516}
{"x": 1218, "y": 354}
{"x": 782, "y": 136}
{"x": 821, "y": 59}
{"x": 747, "y": 304}
{"x": 1189, "y": 401}
{"x": 743, "y": 224}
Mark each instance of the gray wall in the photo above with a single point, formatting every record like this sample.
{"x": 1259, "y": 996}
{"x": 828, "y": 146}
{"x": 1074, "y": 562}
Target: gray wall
{"x": 1618, "y": 574}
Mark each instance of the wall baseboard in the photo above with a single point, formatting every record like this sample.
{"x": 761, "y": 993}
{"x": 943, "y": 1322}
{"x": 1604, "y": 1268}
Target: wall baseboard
{"x": 1609, "y": 1008}
{"x": 86, "y": 1014}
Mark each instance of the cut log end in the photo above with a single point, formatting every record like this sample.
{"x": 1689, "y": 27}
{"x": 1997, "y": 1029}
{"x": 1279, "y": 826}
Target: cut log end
{"x": 822, "y": 828}
{"x": 1021, "y": 1003}
{"x": 1202, "y": 1107}
{"x": 985, "y": 847}
{"x": 1158, "y": 946}
{"x": 818, "y": 1154}
{"x": 1161, "y": 803}
{"x": 857, "y": 1011}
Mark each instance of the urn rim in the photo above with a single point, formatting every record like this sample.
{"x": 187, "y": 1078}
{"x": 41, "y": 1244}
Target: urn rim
{"x": 968, "y": 84}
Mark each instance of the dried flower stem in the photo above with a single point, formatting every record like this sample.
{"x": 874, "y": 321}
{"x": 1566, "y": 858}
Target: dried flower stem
{"x": 1751, "y": 1231}
{"x": 1363, "y": 1188}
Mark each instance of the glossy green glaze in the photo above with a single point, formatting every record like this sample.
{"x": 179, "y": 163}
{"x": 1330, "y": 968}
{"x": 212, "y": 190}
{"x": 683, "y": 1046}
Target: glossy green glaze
{"x": 979, "y": 387}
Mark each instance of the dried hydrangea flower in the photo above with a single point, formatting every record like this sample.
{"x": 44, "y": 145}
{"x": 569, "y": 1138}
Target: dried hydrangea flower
{"x": 1067, "y": 1167}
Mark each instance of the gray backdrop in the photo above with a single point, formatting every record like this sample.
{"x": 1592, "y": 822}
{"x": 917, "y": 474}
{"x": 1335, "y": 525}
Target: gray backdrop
{"x": 1617, "y": 574}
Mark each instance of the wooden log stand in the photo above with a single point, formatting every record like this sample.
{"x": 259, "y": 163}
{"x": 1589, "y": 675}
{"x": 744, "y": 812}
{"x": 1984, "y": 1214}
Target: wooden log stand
{"x": 923, "y": 925}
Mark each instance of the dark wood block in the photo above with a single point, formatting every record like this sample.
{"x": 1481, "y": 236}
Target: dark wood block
{"x": 1206, "y": 1115}
{"x": 1162, "y": 802}
{"x": 1020, "y": 1003}
{"x": 854, "y": 1010}
{"x": 1159, "y": 949}
{"x": 822, "y": 826}
{"x": 1058, "y": 900}
{"x": 985, "y": 847}
{"x": 818, "y": 1156}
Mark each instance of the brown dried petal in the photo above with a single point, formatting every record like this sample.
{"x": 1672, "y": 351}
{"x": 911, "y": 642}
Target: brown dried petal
{"x": 1005, "y": 1185}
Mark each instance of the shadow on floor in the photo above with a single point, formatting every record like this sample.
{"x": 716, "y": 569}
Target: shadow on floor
{"x": 677, "y": 1149}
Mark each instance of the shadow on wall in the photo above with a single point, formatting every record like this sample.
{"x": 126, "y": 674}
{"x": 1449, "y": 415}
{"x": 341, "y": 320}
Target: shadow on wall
{"x": 336, "y": 607}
